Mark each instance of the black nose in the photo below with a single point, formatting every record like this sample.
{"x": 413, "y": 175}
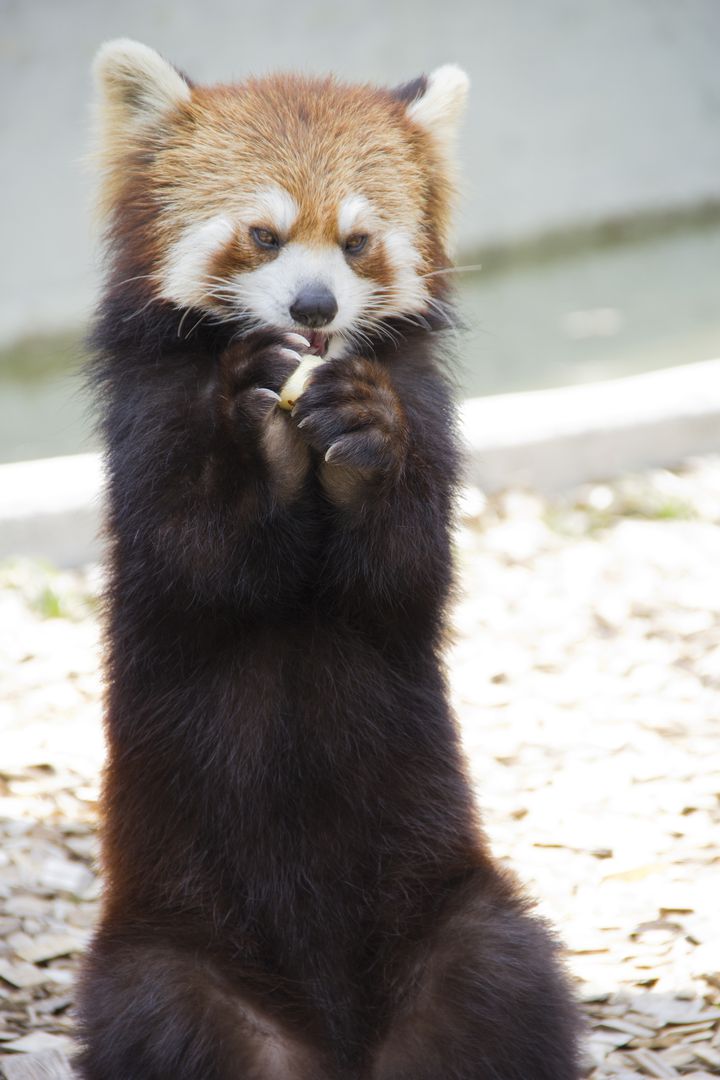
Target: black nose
{"x": 313, "y": 306}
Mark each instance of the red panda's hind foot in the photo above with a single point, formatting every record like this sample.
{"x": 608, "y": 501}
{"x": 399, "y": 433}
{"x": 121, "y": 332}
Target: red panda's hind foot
{"x": 158, "y": 1012}
{"x": 485, "y": 997}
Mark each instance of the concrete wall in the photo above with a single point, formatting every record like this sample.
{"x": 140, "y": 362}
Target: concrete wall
{"x": 582, "y": 110}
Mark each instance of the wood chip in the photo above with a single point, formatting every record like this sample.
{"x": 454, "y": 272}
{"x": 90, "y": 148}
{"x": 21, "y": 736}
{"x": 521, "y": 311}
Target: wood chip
{"x": 52, "y": 1004}
{"x": 24, "y": 905}
{"x": 63, "y": 875}
{"x": 603, "y": 1038}
{"x": 669, "y": 1009}
{"x": 705, "y": 1053}
{"x": 680, "y": 1055}
{"x": 618, "y": 1024}
{"x": 680, "y": 1031}
{"x": 22, "y": 975}
{"x": 652, "y": 1064}
{"x": 49, "y": 947}
{"x": 48, "y": 1065}
{"x": 40, "y": 1041}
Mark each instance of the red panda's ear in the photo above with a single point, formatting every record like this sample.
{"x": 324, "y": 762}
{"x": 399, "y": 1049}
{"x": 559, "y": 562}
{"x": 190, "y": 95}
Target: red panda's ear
{"x": 436, "y": 102}
{"x": 136, "y": 87}
{"x": 136, "y": 91}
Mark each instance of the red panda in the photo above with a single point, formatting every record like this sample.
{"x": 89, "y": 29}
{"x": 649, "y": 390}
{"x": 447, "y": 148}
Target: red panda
{"x": 297, "y": 886}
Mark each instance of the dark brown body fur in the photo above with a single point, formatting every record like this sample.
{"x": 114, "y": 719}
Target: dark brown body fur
{"x": 297, "y": 888}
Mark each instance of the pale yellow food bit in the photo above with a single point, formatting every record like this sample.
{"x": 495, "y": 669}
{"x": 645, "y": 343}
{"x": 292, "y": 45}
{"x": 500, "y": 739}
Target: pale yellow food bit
{"x": 295, "y": 385}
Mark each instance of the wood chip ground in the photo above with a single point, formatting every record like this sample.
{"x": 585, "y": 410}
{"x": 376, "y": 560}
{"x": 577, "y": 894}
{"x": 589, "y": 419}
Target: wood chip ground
{"x": 585, "y": 667}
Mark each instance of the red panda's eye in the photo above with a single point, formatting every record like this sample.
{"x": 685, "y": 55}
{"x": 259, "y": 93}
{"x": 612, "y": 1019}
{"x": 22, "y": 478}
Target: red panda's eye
{"x": 265, "y": 238}
{"x": 355, "y": 243}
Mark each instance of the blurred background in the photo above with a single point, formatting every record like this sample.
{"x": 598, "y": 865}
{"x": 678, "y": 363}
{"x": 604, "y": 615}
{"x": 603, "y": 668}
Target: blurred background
{"x": 590, "y": 161}
{"x": 585, "y": 654}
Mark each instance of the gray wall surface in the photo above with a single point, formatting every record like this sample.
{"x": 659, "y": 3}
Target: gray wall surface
{"x": 581, "y": 110}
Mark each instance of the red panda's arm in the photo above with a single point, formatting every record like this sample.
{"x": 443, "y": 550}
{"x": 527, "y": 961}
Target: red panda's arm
{"x": 388, "y": 433}
{"x": 201, "y": 503}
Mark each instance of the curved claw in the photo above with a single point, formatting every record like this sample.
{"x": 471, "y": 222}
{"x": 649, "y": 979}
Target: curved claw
{"x": 297, "y": 339}
{"x": 344, "y": 449}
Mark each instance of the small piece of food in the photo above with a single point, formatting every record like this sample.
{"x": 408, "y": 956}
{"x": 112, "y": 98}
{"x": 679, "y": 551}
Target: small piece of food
{"x": 295, "y": 385}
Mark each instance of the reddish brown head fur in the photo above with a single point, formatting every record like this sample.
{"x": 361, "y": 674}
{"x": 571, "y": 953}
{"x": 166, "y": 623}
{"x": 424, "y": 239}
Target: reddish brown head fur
{"x": 311, "y": 161}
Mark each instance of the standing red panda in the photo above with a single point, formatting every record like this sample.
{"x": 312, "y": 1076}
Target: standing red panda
{"x": 297, "y": 886}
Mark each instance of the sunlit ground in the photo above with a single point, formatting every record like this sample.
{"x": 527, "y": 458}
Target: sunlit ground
{"x": 586, "y": 675}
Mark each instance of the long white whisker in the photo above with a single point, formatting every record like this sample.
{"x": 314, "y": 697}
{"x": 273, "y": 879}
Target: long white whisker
{"x": 139, "y": 311}
{"x": 453, "y": 270}
{"x": 194, "y": 327}
{"x": 138, "y": 277}
{"x": 182, "y": 320}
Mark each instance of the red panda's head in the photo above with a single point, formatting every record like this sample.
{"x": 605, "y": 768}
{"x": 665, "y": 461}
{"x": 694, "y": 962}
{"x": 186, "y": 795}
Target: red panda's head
{"x": 287, "y": 202}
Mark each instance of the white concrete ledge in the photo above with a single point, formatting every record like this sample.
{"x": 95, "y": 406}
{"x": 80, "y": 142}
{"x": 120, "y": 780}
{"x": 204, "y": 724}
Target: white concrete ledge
{"x": 51, "y": 508}
{"x": 546, "y": 439}
{"x": 553, "y": 439}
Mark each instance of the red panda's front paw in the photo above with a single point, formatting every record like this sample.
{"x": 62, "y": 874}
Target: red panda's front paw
{"x": 253, "y": 370}
{"x": 252, "y": 373}
{"x": 352, "y": 415}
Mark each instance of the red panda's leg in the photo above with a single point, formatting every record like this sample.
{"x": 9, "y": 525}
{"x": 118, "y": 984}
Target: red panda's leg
{"x": 486, "y": 999}
{"x": 154, "y": 1012}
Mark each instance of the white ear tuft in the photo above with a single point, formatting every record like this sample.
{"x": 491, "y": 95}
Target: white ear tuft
{"x": 136, "y": 85}
{"x": 439, "y": 109}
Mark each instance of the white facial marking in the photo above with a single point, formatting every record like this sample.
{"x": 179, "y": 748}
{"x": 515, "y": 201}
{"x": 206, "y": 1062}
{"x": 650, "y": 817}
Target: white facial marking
{"x": 184, "y": 277}
{"x": 273, "y": 207}
{"x": 408, "y": 291}
{"x": 269, "y": 292}
{"x": 355, "y": 213}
